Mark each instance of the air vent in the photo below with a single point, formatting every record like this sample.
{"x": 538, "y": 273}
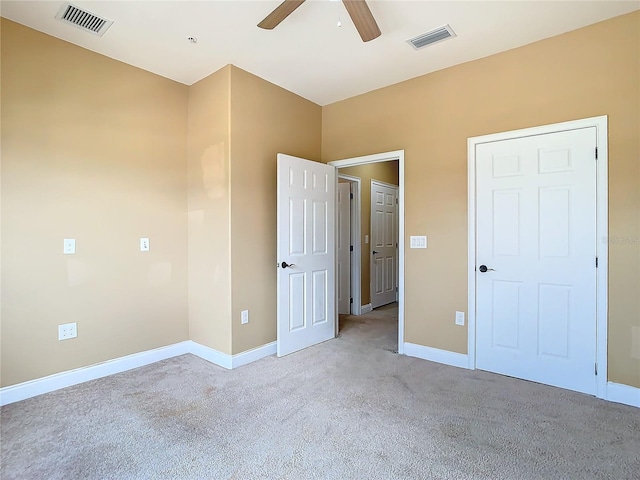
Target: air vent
{"x": 83, "y": 19}
{"x": 434, "y": 36}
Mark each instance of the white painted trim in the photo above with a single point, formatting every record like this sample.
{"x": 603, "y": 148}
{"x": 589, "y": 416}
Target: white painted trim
{"x": 602, "y": 232}
{"x": 249, "y": 356}
{"x": 32, "y": 388}
{"x": 384, "y": 184}
{"x": 22, "y": 391}
{"x": 436, "y": 355}
{"x": 385, "y": 157}
{"x": 356, "y": 259}
{"x": 212, "y": 355}
{"x": 364, "y": 309}
{"x": 619, "y": 393}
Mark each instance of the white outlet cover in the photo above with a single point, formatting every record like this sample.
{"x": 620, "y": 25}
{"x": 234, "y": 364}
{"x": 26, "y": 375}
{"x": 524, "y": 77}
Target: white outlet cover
{"x": 67, "y": 331}
{"x": 69, "y": 247}
{"x": 144, "y": 244}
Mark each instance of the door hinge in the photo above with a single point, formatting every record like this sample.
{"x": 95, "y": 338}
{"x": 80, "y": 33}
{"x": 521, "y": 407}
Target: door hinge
{"x": 351, "y": 300}
{"x": 351, "y": 196}
{"x": 596, "y": 369}
{"x": 351, "y": 248}
{"x": 396, "y": 201}
{"x": 596, "y": 153}
{"x": 596, "y": 262}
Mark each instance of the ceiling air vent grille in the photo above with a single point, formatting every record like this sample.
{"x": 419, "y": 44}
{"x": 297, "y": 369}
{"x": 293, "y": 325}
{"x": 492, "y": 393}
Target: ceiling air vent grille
{"x": 434, "y": 36}
{"x": 83, "y": 19}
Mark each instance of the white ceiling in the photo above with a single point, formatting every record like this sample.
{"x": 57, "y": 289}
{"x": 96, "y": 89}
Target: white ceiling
{"x": 307, "y": 53}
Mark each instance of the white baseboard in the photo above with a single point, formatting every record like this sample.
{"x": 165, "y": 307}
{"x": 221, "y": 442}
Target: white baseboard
{"x": 22, "y": 391}
{"x": 620, "y": 393}
{"x": 210, "y": 355}
{"x": 364, "y": 309}
{"x": 32, "y": 388}
{"x": 240, "y": 359}
{"x": 436, "y": 355}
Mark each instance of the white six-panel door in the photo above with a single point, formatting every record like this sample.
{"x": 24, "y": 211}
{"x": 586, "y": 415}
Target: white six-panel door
{"x": 536, "y": 236}
{"x": 344, "y": 248}
{"x": 384, "y": 238}
{"x": 306, "y": 254}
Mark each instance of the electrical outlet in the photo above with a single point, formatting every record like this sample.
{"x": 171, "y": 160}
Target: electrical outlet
{"x": 69, "y": 246}
{"x": 144, "y": 244}
{"x": 67, "y": 331}
{"x": 460, "y": 318}
{"x": 244, "y": 316}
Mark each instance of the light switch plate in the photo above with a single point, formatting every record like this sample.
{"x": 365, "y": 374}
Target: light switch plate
{"x": 244, "y": 317}
{"x": 69, "y": 246}
{"x": 460, "y": 318}
{"x": 418, "y": 241}
{"x": 366, "y": 239}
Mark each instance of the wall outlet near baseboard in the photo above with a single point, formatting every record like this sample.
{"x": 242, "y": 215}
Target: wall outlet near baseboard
{"x": 67, "y": 331}
{"x": 460, "y": 318}
{"x": 244, "y": 317}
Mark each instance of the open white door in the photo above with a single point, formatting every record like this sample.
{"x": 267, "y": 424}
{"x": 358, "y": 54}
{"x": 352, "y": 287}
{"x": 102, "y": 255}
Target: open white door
{"x": 344, "y": 248}
{"x": 306, "y": 253}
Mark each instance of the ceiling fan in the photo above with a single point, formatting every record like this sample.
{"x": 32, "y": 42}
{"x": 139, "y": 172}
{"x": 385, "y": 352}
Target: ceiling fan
{"x": 358, "y": 11}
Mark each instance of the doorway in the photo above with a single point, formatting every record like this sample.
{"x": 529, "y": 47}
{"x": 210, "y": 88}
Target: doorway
{"x": 361, "y": 248}
{"x": 537, "y": 272}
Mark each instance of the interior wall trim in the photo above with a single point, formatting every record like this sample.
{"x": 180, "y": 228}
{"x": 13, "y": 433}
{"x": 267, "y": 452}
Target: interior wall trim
{"x": 32, "y": 388}
{"x": 620, "y": 393}
{"x": 39, "y": 386}
{"x": 446, "y": 357}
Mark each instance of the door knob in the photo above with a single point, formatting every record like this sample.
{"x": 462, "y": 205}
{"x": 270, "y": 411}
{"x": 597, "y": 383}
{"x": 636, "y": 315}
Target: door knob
{"x": 287, "y": 265}
{"x": 483, "y": 269}
{"x": 375, "y": 253}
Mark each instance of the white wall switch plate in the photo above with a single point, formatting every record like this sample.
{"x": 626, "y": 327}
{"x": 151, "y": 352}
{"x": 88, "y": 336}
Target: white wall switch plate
{"x": 244, "y": 316}
{"x": 418, "y": 241}
{"x": 67, "y": 331}
{"x": 366, "y": 239}
{"x": 460, "y": 318}
{"x": 69, "y": 246}
{"x": 144, "y": 244}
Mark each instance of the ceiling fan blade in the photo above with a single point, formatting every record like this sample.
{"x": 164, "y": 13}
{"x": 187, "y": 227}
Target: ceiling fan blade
{"x": 362, "y": 19}
{"x": 281, "y": 12}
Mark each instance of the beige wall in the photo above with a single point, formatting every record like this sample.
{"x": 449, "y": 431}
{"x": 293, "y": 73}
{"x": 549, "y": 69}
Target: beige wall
{"x": 589, "y": 72}
{"x": 95, "y": 150}
{"x": 385, "y": 172}
{"x": 209, "y": 212}
{"x": 265, "y": 120}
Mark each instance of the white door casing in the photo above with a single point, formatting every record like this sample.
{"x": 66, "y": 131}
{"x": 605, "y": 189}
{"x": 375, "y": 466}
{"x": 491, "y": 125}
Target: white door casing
{"x": 383, "y": 243}
{"x": 306, "y": 308}
{"x": 541, "y": 313}
{"x": 344, "y": 248}
{"x": 383, "y": 157}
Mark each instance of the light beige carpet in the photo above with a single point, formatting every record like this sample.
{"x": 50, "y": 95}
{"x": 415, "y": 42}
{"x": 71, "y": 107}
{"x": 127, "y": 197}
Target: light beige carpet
{"x": 346, "y": 409}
